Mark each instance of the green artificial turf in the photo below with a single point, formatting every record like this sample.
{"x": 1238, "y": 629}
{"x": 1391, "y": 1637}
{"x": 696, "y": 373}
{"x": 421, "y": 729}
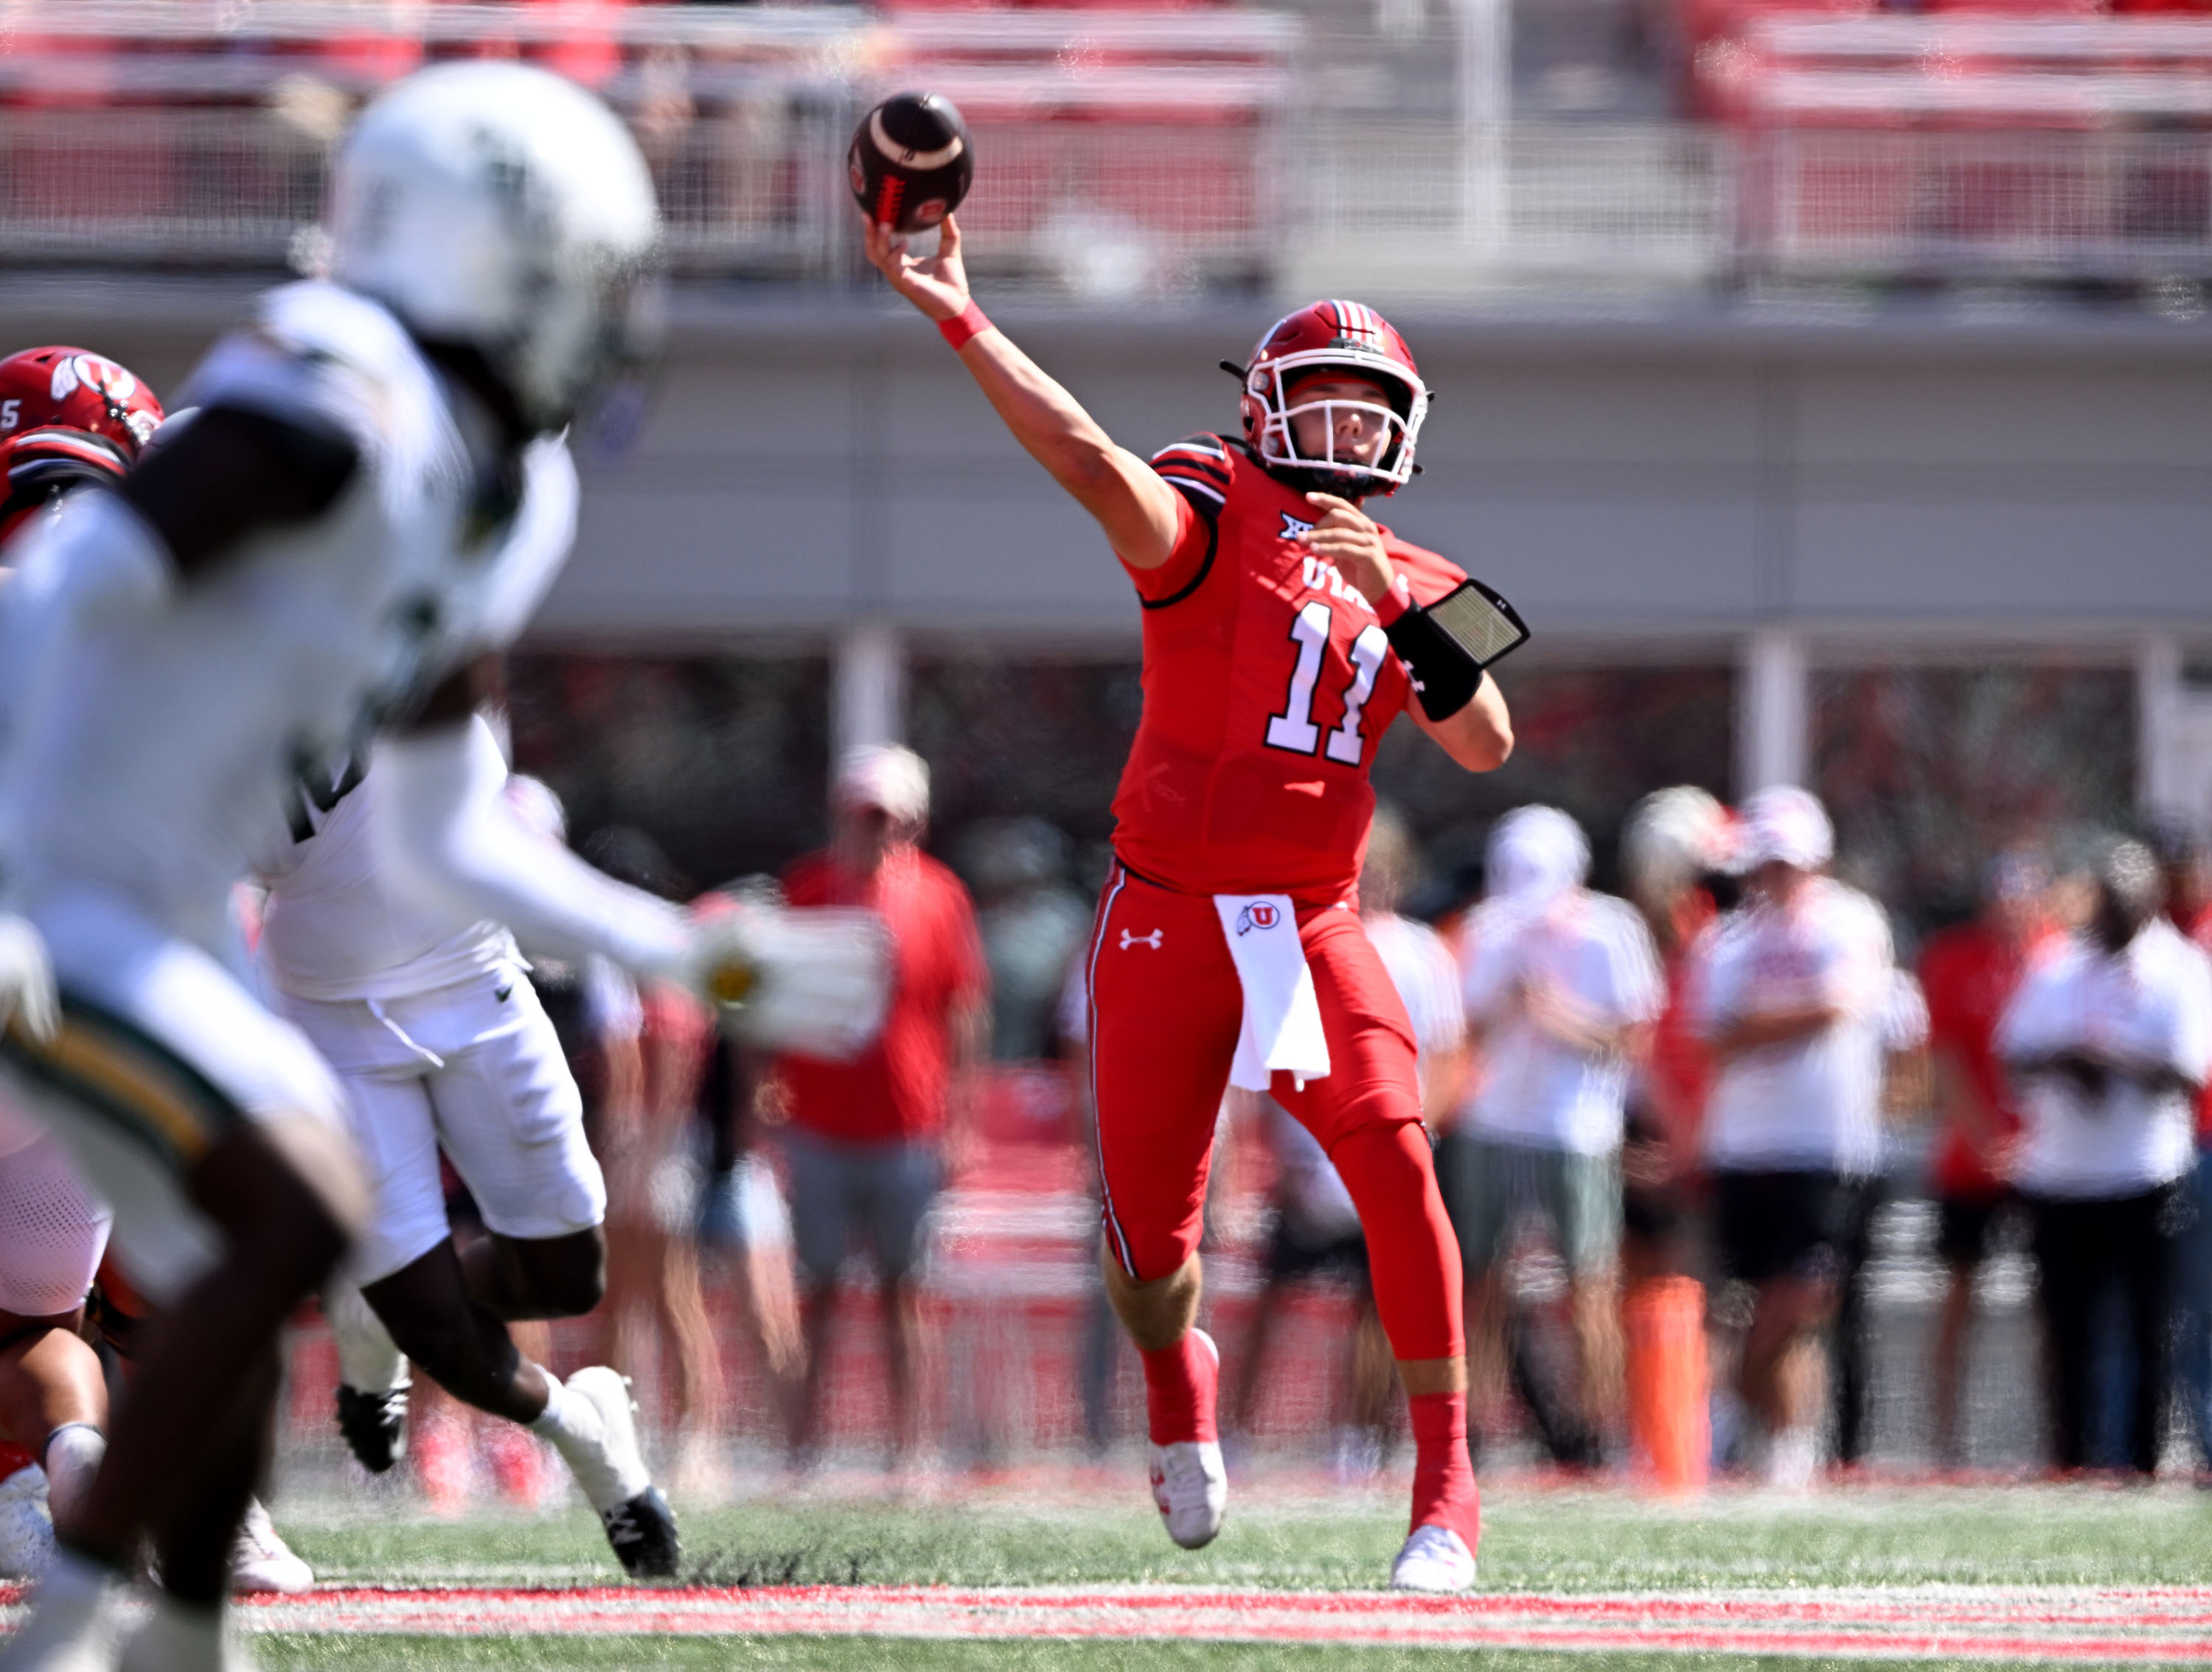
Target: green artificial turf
{"x": 1533, "y": 1540}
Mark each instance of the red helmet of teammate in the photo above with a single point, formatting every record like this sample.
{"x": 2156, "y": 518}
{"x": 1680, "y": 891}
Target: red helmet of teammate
{"x": 66, "y": 417}
{"x": 1344, "y": 339}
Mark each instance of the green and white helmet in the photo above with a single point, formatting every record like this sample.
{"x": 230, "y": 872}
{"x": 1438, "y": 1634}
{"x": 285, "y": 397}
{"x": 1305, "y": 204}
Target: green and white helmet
{"x": 503, "y": 208}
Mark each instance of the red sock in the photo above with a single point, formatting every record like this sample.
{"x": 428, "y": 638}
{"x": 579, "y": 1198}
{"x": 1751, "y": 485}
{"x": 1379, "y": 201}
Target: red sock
{"x": 1179, "y": 1388}
{"x": 1444, "y": 1492}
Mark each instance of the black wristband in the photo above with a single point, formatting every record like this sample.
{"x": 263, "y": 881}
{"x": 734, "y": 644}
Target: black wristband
{"x": 1446, "y": 645}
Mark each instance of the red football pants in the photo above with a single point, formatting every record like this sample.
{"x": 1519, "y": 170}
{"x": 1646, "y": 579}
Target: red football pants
{"x": 1165, "y": 1010}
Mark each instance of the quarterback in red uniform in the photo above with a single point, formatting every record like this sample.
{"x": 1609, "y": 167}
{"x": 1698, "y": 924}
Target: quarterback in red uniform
{"x": 1283, "y": 630}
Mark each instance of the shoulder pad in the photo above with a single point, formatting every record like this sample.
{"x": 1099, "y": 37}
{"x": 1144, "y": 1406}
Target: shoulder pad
{"x": 1199, "y": 468}
{"x": 316, "y": 351}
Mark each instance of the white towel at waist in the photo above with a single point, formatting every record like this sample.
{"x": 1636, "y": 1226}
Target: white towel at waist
{"x": 1281, "y": 1030}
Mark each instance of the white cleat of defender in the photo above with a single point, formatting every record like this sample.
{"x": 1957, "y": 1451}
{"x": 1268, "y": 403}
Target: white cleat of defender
{"x": 610, "y": 1468}
{"x": 1190, "y": 1484}
{"x": 1435, "y": 1560}
{"x": 261, "y": 1563}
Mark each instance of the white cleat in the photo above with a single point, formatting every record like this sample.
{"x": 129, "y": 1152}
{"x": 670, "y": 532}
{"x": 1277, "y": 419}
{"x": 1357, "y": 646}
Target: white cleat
{"x": 261, "y": 1563}
{"x": 1190, "y": 1483}
{"x": 1435, "y": 1559}
{"x": 177, "y": 1638}
{"x": 27, "y": 1530}
{"x": 612, "y": 1471}
{"x": 76, "y": 1622}
{"x": 1191, "y": 1488}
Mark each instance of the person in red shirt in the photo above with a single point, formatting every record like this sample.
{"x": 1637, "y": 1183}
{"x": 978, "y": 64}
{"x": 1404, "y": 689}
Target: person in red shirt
{"x": 868, "y": 1137}
{"x": 1283, "y": 630}
{"x": 1969, "y": 973}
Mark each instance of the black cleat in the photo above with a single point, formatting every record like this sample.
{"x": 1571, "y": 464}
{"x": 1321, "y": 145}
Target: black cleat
{"x": 374, "y": 1425}
{"x": 644, "y": 1534}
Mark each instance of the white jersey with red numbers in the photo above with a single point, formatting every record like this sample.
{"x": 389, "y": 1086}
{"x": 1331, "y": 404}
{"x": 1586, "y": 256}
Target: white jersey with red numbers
{"x": 1268, "y": 684}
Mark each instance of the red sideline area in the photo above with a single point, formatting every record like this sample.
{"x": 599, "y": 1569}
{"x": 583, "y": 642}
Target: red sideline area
{"x": 2149, "y": 1626}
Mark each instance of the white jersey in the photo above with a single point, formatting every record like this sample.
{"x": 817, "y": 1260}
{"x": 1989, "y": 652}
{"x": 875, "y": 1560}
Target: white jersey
{"x": 1811, "y": 1104}
{"x": 2150, "y": 1004}
{"x": 1535, "y": 1089}
{"x": 1427, "y": 975}
{"x": 151, "y": 761}
{"x": 334, "y": 928}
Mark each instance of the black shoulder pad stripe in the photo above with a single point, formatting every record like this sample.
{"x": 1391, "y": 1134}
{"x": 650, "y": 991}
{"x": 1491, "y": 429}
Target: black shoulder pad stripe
{"x": 1205, "y": 568}
{"x": 1206, "y": 497}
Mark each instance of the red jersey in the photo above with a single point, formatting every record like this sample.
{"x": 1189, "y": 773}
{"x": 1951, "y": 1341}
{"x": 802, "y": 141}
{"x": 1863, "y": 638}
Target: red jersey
{"x": 2199, "y": 930}
{"x": 1679, "y": 1072}
{"x": 1268, "y": 682}
{"x": 897, "y": 1089}
{"x": 1969, "y": 973}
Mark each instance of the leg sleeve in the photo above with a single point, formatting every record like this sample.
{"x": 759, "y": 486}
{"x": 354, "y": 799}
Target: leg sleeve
{"x": 1164, "y": 1010}
{"x": 1412, "y": 1255}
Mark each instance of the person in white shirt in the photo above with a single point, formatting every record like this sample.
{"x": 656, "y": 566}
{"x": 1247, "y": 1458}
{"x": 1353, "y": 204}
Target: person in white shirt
{"x": 2111, "y": 1041}
{"x": 1792, "y": 989}
{"x": 1562, "y": 985}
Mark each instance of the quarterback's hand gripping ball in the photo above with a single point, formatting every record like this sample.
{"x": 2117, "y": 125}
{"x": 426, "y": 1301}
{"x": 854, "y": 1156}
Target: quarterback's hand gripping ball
{"x": 910, "y": 162}
{"x": 816, "y": 983}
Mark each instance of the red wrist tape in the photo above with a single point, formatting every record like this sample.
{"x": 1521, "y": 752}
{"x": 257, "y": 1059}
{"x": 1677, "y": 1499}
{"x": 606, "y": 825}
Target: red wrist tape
{"x": 963, "y": 327}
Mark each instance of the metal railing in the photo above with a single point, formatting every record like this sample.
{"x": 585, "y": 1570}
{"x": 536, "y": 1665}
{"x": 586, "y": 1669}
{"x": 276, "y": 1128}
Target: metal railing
{"x": 1121, "y": 153}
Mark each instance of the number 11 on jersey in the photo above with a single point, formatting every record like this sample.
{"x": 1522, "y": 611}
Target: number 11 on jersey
{"x": 1294, "y": 729}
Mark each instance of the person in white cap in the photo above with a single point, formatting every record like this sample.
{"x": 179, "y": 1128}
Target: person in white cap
{"x": 867, "y": 1137}
{"x": 1792, "y": 989}
{"x": 1562, "y": 985}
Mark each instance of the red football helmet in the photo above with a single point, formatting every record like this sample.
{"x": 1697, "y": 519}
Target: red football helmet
{"x": 66, "y": 417}
{"x": 1347, "y": 339}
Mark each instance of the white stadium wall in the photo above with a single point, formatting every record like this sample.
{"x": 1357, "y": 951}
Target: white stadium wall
{"x": 1782, "y": 492}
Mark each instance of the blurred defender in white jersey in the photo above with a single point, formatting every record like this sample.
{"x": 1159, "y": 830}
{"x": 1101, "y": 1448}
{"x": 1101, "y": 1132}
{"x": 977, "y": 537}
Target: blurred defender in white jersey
{"x": 426, "y": 1016}
{"x": 329, "y": 539}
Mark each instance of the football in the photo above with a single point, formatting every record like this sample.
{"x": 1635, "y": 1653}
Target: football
{"x": 911, "y": 161}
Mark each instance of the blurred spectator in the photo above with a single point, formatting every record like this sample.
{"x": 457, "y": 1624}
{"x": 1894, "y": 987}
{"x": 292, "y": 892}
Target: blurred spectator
{"x": 1317, "y": 1228}
{"x": 1904, "y": 1031}
{"x": 869, "y": 1140}
{"x": 1032, "y": 924}
{"x": 742, "y": 1219}
{"x": 2181, "y": 855}
{"x": 1675, "y": 850}
{"x": 1421, "y": 965}
{"x": 2110, "y": 1039}
{"x": 1792, "y": 988}
{"x": 653, "y": 1307}
{"x": 1970, "y": 973}
{"x": 1562, "y": 986}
